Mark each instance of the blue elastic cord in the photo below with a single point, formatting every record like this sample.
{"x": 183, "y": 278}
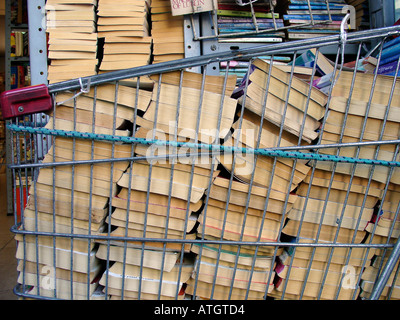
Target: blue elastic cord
{"x": 202, "y": 146}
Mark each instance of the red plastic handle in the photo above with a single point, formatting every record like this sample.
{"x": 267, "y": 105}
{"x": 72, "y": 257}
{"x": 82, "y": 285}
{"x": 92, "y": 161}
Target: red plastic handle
{"x": 27, "y": 100}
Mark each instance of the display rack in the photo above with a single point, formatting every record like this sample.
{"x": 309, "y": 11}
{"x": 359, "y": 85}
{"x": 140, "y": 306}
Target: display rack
{"x": 211, "y": 41}
{"x": 196, "y": 60}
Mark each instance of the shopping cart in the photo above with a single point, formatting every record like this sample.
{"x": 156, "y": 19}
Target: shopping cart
{"x": 157, "y": 183}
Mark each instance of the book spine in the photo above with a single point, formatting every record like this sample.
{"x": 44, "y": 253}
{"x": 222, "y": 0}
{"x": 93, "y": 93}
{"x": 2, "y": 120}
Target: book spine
{"x": 234, "y": 13}
{"x": 226, "y": 19}
{"x": 392, "y": 73}
{"x": 14, "y": 77}
{"x": 386, "y": 68}
{"x": 317, "y": 3}
{"x": 252, "y": 35}
{"x": 390, "y": 59}
{"x": 248, "y": 26}
{"x": 391, "y": 43}
{"x": 323, "y": 12}
{"x": 315, "y": 7}
{"x": 390, "y": 51}
{"x": 300, "y": 21}
{"x": 327, "y": 31}
{"x": 222, "y": 6}
{"x": 315, "y": 17}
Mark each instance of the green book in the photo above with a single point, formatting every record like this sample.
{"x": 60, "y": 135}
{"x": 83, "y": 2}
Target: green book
{"x": 235, "y": 13}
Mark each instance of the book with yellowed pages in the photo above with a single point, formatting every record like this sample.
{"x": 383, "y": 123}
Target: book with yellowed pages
{"x": 153, "y": 245}
{"x": 261, "y": 197}
{"x": 229, "y": 254}
{"x": 150, "y": 281}
{"x": 154, "y": 259}
{"x": 162, "y": 205}
{"x": 44, "y": 255}
{"x": 303, "y": 255}
{"x": 226, "y": 275}
{"x": 56, "y": 282}
{"x": 313, "y": 290}
{"x": 193, "y": 104}
{"x": 158, "y": 179}
{"x": 71, "y": 29}
{"x": 311, "y": 210}
{"x": 327, "y": 233}
{"x": 281, "y": 97}
{"x": 166, "y": 26}
{"x": 212, "y": 222}
{"x": 206, "y": 290}
{"x": 126, "y": 31}
{"x": 391, "y": 290}
{"x": 261, "y": 169}
{"x": 322, "y": 277}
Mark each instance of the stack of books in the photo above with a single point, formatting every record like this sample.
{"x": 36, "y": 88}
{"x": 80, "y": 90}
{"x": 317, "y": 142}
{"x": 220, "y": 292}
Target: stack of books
{"x": 336, "y": 210}
{"x": 241, "y": 68}
{"x": 260, "y": 192}
{"x": 364, "y": 122}
{"x": 386, "y": 223}
{"x": 167, "y": 32}
{"x": 267, "y": 95}
{"x": 144, "y": 273}
{"x": 328, "y": 214}
{"x": 373, "y": 269}
{"x": 189, "y": 111}
{"x": 162, "y": 198}
{"x": 228, "y": 216}
{"x": 148, "y": 205}
{"x": 215, "y": 275}
{"x": 389, "y": 57}
{"x": 74, "y": 199}
{"x": 384, "y": 228}
{"x": 126, "y": 32}
{"x": 71, "y": 28}
{"x": 316, "y": 20}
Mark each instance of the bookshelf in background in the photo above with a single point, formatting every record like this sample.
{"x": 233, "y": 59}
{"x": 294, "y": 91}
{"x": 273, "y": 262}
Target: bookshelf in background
{"x": 17, "y": 45}
{"x": 16, "y": 75}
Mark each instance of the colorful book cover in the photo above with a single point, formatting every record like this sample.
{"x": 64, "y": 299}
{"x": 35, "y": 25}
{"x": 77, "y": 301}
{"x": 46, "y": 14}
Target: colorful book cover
{"x": 234, "y": 13}
{"x": 315, "y": 17}
{"x": 249, "y": 26}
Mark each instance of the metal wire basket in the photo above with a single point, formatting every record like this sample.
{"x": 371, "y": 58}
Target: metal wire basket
{"x": 158, "y": 183}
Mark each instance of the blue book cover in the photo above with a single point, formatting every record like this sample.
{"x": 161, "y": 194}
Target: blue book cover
{"x": 388, "y": 67}
{"x": 315, "y": 3}
{"x": 315, "y": 7}
{"x": 315, "y": 17}
{"x": 392, "y": 73}
{"x": 316, "y": 30}
{"x": 390, "y": 51}
{"x": 390, "y": 59}
{"x": 391, "y": 42}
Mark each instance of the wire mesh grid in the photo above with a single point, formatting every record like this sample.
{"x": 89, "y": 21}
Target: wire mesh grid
{"x": 158, "y": 183}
